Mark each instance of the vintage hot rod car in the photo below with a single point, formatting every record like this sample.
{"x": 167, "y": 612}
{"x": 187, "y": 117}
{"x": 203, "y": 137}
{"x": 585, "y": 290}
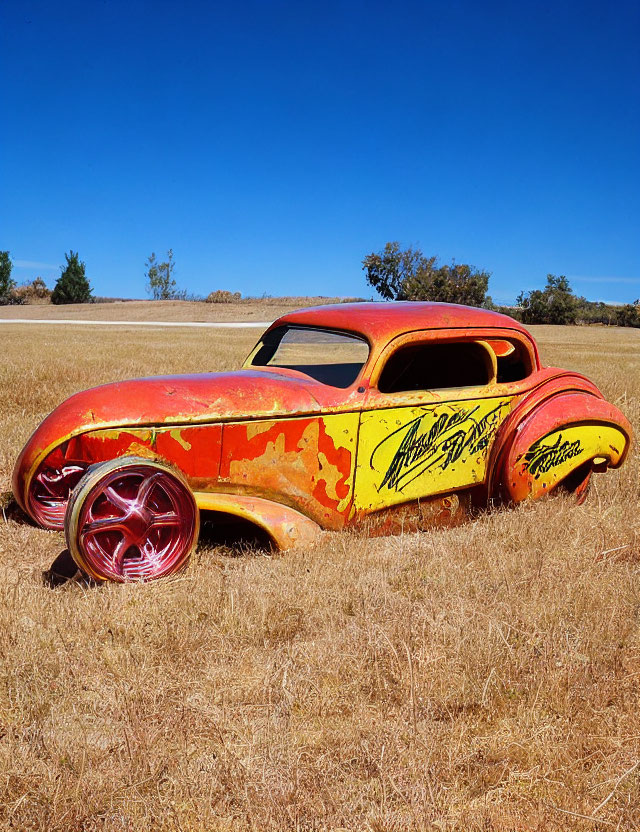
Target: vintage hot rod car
{"x": 400, "y": 414}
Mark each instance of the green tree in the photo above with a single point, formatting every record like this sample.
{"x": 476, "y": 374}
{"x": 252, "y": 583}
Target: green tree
{"x": 161, "y": 284}
{"x": 406, "y": 274}
{"x": 7, "y": 285}
{"x": 151, "y": 274}
{"x": 556, "y": 304}
{"x": 388, "y": 270}
{"x": 457, "y": 283}
{"x": 72, "y": 286}
{"x": 629, "y": 314}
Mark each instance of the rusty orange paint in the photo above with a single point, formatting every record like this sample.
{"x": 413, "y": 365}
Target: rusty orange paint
{"x": 194, "y": 450}
{"x": 294, "y": 460}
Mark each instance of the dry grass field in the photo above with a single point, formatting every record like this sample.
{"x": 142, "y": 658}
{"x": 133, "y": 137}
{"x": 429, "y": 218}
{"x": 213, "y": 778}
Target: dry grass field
{"x": 479, "y": 678}
{"x": 256, "y": 309}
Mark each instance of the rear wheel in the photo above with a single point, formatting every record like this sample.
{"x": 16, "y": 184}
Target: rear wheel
{"x": 131, "y": 519}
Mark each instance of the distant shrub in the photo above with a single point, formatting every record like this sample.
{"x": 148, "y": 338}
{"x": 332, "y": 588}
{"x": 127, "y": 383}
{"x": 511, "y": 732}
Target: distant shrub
{"x": 13, "y": 298}
{"x": 21, "y": 294}
{"x": 223, "y": 296}
{"x": 103, "y": 299}
{"x": 34, "y": 292}
{"x": 301, "y": 301}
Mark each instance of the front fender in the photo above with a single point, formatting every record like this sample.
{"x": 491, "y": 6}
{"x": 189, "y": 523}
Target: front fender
{"x": 287, "y": 527}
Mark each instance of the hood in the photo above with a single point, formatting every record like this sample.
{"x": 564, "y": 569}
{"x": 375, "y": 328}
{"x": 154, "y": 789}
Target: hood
{"x": 187, "y": 399}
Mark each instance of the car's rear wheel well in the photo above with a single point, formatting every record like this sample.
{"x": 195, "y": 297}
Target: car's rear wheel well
{"x": 576, "y": 482}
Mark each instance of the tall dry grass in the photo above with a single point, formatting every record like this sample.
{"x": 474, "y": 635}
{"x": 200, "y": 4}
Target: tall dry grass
{"x": 479, "y": 678}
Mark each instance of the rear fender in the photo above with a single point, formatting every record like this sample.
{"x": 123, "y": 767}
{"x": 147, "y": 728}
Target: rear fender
{"x": 565, "y": 432}
{"x": 557, "y": 382}
{"x": 287, "y": 527}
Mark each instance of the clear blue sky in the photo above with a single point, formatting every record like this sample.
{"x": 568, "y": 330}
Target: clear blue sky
{"x": 273, "y": 144}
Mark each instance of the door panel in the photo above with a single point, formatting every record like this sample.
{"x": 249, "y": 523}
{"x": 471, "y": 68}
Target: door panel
{"x": 408, "y": 452}
{"x": 307, "y": 462}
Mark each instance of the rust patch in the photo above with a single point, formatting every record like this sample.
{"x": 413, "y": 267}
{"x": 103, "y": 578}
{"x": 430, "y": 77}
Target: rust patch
{"x": 296, "y": 458}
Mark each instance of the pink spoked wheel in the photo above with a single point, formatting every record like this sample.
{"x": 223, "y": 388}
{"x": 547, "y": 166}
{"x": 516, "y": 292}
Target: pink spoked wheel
{"x": 131, "y": 519}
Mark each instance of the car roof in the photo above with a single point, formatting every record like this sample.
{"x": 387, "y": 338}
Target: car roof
{"x": 383, "y": 321}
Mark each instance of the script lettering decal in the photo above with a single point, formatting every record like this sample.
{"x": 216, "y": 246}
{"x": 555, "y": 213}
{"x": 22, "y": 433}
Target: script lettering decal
{"x": 541, "y": 458}
{"x": 425, "y": 443}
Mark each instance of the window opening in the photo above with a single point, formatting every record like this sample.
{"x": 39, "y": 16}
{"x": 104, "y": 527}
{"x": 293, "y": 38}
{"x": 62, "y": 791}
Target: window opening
{"x": 332, "y": 358}
{"x": 436, "y": 366}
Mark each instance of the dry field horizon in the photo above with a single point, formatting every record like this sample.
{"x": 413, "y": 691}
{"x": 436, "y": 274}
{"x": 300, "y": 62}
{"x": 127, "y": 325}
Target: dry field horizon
{"x": 246, "y": 309}
{"x": 485, "y": 677}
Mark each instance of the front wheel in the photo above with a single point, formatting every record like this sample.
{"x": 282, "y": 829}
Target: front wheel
{"x": 131, "y": 519}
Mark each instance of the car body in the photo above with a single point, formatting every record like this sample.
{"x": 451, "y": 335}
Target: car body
{"x": 393, "y": 415}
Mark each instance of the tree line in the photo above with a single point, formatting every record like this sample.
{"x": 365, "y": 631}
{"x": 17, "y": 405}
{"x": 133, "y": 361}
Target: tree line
{"x": 407, "y": 274}
{"x": 71, "y": 287}
{"x": 395, "y": 273}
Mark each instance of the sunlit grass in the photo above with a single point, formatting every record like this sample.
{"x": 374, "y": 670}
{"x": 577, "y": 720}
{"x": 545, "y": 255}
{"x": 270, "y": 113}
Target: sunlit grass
{"x": 478, "y": 678}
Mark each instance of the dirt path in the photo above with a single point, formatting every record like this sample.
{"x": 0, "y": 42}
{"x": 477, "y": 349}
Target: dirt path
{"x": 209, "y": 324}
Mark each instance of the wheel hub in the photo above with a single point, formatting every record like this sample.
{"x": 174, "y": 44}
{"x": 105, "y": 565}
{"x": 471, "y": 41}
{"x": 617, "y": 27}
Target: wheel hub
{"x": 138, "y": 523}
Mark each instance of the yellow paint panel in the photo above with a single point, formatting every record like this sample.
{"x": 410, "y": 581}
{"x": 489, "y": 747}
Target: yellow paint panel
{"x": 551, "y": 459}
{"x": 342, "y": 429}
{"x": 407, "y": 453}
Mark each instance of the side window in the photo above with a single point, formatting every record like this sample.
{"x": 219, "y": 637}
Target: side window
{"x": 514, "y": 361}
{"x": 434, "y": 366}
{"x": 332, "y": 358}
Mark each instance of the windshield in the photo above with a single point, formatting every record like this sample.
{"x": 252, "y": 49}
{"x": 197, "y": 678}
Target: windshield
{"x": 333, "y": 358}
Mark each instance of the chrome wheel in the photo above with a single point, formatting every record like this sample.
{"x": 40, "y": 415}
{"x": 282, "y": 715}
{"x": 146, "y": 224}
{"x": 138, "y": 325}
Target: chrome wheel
{"x": 131, "y": 520}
